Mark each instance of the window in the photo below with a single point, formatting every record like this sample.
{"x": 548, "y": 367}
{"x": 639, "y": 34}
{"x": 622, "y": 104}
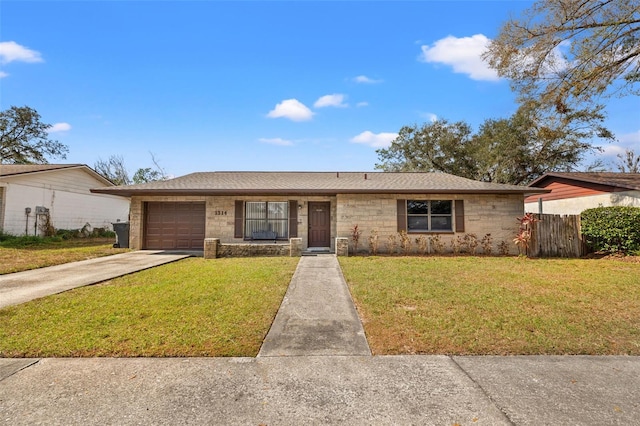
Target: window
{"x": 429, "y": 215}
{"x": 266, "y": 220}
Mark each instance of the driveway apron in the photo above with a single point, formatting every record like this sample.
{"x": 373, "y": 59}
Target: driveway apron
{"x": 317, "y": 316}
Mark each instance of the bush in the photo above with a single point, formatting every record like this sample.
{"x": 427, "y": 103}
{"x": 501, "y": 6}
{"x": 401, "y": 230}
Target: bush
{"x": 613, "y": 229}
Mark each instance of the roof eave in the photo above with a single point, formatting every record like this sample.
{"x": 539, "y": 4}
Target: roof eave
{"x": 526, "y": 191}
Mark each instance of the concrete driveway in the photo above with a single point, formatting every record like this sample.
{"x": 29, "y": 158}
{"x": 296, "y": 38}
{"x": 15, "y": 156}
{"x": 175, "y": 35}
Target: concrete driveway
{"x": 24, "y": 286}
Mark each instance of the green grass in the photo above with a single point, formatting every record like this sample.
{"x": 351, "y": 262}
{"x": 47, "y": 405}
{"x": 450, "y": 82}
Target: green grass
{"x": 496, "y": 305}
{"x": 193, "y": 307}
{"x": 21, "y": 254}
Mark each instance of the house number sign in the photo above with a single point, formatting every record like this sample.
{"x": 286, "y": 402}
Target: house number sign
{"x": 220, "y": 212}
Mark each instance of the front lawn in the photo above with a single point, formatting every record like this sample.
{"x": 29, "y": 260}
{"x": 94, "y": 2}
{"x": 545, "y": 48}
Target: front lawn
{"x": 193, "y": 307}
{"x": 23, "y": 254}
{"x": 496, "y": 305}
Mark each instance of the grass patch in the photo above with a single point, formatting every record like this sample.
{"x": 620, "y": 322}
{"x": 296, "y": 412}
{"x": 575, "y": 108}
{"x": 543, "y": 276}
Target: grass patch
{"x": 496, "y": 305}
{"x": 193, "y": 307}
{"x": 21, "y": 254}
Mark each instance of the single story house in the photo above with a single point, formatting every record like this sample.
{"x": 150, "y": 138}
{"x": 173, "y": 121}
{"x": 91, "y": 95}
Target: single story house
{"x": 316, "y": 208}
{"x": 574, "y": 192}
{"x": 32, "y": 193}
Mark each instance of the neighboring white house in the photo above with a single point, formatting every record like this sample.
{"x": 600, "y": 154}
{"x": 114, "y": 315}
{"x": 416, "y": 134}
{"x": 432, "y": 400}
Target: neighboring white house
{"x": 28, "y": 193}
{"x": 574, "y": 192}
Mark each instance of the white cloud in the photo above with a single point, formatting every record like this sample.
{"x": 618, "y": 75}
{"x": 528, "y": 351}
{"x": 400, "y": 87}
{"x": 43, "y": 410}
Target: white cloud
{"x": 59, "y": 127}
{"x": 626, "y": 141}
{"x": 462, "y": 54}
{"x": 292, "y": 109}
{"x": 630, "y": 138}
{"x": 362, "y": 104}
{"x": 334, "y": 100}
{"x": 379, "y": 140}
{"x": 11, "y": 51}
{"x": 430, "y": 116}
{"x": 366, "y": 80}
{"x": 3, "y": 74}
{"x": 276, "y": 141}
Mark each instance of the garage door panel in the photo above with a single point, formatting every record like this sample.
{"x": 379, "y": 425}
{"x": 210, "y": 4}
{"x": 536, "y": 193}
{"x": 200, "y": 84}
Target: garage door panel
{"x": 174, "y": 226}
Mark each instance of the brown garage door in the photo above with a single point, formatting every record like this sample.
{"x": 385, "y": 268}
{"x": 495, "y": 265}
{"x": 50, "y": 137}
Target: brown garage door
{"x": 177, "y": 226}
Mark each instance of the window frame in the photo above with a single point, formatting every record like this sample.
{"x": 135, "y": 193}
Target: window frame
{"x": 284, "y": 223}
{"x": 429, "y": 215}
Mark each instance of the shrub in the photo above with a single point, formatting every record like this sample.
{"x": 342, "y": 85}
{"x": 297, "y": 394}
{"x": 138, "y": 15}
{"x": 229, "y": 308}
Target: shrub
{"x": 423, "y": 244}
{"x": 487, "y": 244}
{"x": 612, "y": 229}
{"x": 405, "y": 242}
{"x": 355, "y": 237}
{"x": 392, "y": 244}
{"x": 373, "y": 242}
{"x": 437, "y": 244}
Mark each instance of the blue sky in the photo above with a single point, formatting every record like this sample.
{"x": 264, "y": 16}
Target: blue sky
{"x": 209, "y": 85}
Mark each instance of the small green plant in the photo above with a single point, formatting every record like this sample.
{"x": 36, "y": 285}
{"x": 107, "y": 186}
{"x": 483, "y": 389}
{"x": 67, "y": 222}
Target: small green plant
{"x": 503, "y": 248}
{"x": 471, "y": 243}
{"x": 436, "y": 243}
{"x": 487, "y": 244}
{"x": 392, "y": 244}
{"x": 355, "y": 237}
{"x": 373, "y": 242}
{"x": 405, "y": 242}
{"x": 423, "y": 244}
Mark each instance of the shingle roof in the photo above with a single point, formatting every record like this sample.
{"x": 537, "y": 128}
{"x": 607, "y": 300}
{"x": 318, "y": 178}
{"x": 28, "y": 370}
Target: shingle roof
{"x": 230, "y": 183}
{"x": 20, "y": 169}
{"x": 7, "y": 170}
{"x": 618, "y": 180}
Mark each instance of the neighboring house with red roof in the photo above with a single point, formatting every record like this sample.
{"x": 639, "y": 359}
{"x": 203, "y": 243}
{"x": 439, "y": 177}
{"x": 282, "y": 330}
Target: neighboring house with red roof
{"x": 29, "y": 192}
{"x": 574, "y": 192}
{"x": 317, "y": 208}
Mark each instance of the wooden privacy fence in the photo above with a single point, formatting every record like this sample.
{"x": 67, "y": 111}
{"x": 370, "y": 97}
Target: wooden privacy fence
{"x": 554, "y": 235}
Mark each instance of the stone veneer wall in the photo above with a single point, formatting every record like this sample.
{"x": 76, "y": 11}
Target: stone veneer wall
{"x": 220, "y": 220}
{"x": 249, "y": 250}
{"x": 484, "y": 214}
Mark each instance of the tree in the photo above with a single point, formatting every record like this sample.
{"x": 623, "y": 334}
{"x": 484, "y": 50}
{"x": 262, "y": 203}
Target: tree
{"x": 116, "y": 171}
{"x": 24, "y": 138}
{"x": 566, "y": 53}
{"x": 113, "y": 169}
{"x": 629, "y": 162}
{"x": 515, "y": 150}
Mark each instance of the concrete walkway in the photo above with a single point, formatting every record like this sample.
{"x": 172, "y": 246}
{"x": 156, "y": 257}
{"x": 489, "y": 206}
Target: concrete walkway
{"x": 317, "y": 316}
{"x": 21, "y": 287}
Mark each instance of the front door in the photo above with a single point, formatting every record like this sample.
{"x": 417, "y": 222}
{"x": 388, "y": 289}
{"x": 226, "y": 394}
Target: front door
{"x": 319, "y": 224}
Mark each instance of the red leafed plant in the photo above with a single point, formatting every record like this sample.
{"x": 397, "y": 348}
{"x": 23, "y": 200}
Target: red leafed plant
{"x": 523, "y": 238}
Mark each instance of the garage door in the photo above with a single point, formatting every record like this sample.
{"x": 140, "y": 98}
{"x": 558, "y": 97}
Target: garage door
{"x": 177, "y": 226}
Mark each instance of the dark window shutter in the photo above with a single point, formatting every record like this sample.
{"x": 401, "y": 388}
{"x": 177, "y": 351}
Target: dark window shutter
{"x": 402, "y": 215}
{"x": 239, "y": 219}
{"x": 459, "y": 216}
{"x": 293, "y": 218}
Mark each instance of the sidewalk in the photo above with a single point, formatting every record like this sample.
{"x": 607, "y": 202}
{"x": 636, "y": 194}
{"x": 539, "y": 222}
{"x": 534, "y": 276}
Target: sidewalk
{"x": 317, "y": 316}
{"x": 384, "y": 390}
{"x": 21, "y": 287}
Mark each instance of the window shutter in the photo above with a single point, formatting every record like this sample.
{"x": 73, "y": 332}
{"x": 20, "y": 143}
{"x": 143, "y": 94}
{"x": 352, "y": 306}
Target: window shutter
{"x": 293, "y": 218}
{"x": 239, "y": 219}
{"x": 459, "y": 206}
{"x": 402, "y": 215}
